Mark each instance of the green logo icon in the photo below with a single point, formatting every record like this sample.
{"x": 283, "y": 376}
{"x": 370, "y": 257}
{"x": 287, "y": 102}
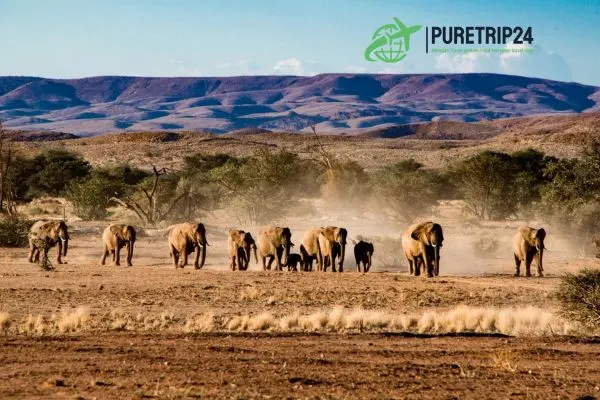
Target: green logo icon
{"x": 390, "y": 42}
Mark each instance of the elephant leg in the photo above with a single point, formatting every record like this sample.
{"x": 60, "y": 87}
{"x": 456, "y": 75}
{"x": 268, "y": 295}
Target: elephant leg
{"x": 45, "y": 256}
{"x": 528, "y": 260}
{"x": 517, "y": 265}
{"x": 118, "y": 256}
{"x": 175, "y": 255}
{"x": 232, "y": 263}
{"x": 184, "y": 258}
{"x": 31, "y": 251}
{"x": 417, "y": 266}
{"x": 358, "y": 266}
{"x": 271, "y": 258}
{"x": 36, "y": 256}
{"x": 411, "y": 269}
{"x": 104, "y": 255}
{"x": 263, "y": 258}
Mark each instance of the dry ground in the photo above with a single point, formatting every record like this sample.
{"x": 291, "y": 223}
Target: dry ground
{"x": 145, "y": 349}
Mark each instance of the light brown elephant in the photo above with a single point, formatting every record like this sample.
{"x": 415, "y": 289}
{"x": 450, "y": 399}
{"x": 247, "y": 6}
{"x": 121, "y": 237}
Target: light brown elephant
{"x": 51, "y": 233}
{"x": 421, "y": 244}
{"x": 527, "y": 244}
{"x": 309, "y": 249}
{"x": 114, "y": 238}
{"x": 186, "y": 238}
{"x": 332, "y": 242}
{"x": 240, "y": 244}
{"x": 274, "y": 243}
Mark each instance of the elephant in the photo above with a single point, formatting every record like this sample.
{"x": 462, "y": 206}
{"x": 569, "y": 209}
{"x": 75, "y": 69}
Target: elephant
{"x": 186, "y": 238}
{"x": 114, "y": 238}
{"x": 421, "y": 244}
{"x": 239, "y": 244}
{"x": 529, "y": 243}
{"x": 51, "y": 233}
{"x": 363, "y": 252}
{"x": 274, "y": 243}
{"x": 293, "y": 260}
{"x": 324, "y": 244}
{"x": 332, "y": 243}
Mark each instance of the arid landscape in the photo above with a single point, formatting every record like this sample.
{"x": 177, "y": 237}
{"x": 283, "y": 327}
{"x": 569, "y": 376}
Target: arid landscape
{"x": 152, "y": 331}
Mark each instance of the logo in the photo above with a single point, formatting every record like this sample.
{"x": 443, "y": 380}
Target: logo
{"x": 390, "y": 42}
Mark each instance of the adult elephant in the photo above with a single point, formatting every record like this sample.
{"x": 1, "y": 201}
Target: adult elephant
{"x": 114, "y": 238}
{"x": 421, "y": 244}
{"x": 240, "y": 244}
{"x": 274, "y": 243}
{"x": 332, "y": 243}
{"x": 186, "y": 238}
{"x": 43, "y": 235}
{"x": 363, "y": 253}
{"x": 324, "y": 244}
{"x": 528, "y": 243}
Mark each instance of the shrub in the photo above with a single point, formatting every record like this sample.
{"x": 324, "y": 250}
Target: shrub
{"x": 408, "y": 189}
{"x": 14, "y": 231}
{"x": 579, "y": 297}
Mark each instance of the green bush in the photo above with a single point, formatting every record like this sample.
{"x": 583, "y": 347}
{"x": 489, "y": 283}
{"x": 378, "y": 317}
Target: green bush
{"x": 14, "y": 231}
{"x": 579, "y": 297}
{"x": 408, "y": 189}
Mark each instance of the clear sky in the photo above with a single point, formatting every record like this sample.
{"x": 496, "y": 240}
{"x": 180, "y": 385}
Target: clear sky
{"x": 77, "y": 38}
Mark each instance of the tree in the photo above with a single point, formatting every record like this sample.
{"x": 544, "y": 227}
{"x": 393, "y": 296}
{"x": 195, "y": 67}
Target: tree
{"x": 486, "y": 182}
{"x": 6, "y": 157}
{"x": 154, "y": 198}
{"x": 264, "y": 187}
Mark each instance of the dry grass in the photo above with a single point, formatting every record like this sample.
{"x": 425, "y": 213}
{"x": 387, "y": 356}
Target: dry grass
{"x": 525, "y": 321}
{"x": 5, "y": 321}
{"x": 505, "y": 361}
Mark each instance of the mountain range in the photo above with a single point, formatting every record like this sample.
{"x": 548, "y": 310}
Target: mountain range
{"x": 335, "y": 103}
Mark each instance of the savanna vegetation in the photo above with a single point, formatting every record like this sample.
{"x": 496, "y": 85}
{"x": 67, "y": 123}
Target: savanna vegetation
{"x": 271, "y": 184}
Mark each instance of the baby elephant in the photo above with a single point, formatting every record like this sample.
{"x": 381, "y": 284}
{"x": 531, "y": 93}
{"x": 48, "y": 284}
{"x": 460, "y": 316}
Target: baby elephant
{"x": 293, "y": 260}
{"x": 363, "y": 251}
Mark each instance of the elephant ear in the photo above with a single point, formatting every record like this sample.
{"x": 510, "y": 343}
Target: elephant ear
{"x": 541, "y": 234}
{"x": 371, "y": 248}
{"x": 528, "y": 235}
{"x": 421, "y": 232}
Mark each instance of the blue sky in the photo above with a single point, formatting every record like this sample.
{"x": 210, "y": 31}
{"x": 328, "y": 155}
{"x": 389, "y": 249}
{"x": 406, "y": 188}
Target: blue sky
{"x": 70, "y": 38}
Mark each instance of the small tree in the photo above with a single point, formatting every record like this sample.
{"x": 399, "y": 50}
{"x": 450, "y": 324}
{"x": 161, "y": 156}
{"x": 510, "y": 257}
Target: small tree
{"x": 408, "y": 189}
{"x": 6, "y": 158}
{"x": 486, "y": 182}
{"x": 579, "y": 297}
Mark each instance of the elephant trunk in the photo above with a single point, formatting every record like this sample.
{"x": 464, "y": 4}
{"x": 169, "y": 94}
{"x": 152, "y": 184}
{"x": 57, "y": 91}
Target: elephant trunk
{"x": 370, "y": 254}
{"x": 202, "y": 256}
{"x": 65, "y": 246}
{"x": 342, "y": 256}
{"x": 540, "y": 256}
{"x": 436, "y": 260}
{"x": 130, "y": 251}
{"x": 255, "y": 256}
{"x": 286, "y": 254}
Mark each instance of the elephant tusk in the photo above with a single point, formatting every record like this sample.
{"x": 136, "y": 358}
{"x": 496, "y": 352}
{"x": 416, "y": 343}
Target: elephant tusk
{"x": 200, "y": 244}
{"x": 63, "y": 240}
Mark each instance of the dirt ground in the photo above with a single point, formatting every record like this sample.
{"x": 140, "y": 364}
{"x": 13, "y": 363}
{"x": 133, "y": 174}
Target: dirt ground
{"x": 151, "y": 354}
{"x": 236, "y": 366}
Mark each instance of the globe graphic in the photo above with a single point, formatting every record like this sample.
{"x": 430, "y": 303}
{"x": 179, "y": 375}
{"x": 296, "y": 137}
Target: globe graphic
{"x": 394, "y": 49}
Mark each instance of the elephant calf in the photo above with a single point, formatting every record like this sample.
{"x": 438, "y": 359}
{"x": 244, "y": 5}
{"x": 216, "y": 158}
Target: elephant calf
{"x": 114, "y": 238}
{"x": 293, "y": 260}
{"x": 363, "y": 252}
{"x": 528, "y": 243}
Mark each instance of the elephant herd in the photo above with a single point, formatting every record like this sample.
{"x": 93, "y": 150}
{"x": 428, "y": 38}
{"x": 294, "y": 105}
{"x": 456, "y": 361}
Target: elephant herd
{"x": 421, "y": 245}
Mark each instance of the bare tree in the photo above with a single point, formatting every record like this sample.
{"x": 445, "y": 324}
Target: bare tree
{"x": 149, "y": 211}
{"x": 6, "y": 155}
